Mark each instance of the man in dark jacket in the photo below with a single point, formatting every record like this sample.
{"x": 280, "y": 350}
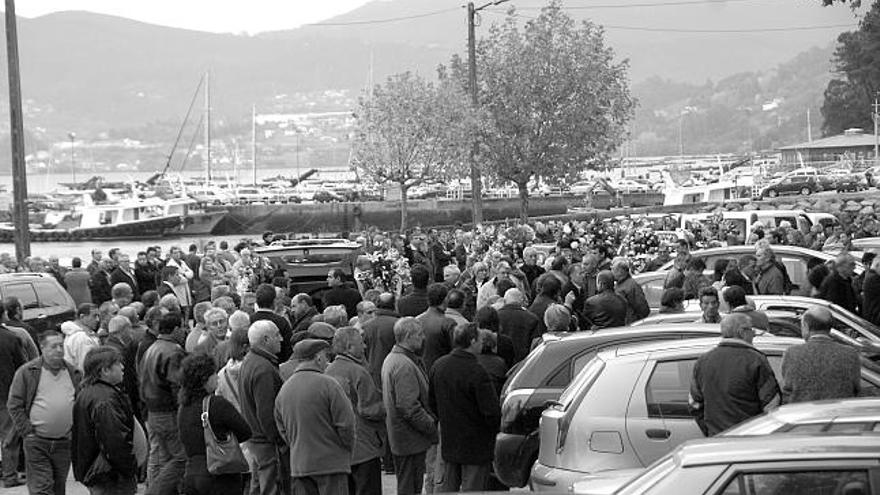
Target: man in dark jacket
{"x": 99, "y": 284}
{"x": 636, "y": 304}
{"x": 159, "y": 374}
{"x": 146, "y": 273}
{"x": 871, "y": 293}
{"x": 103, "y": 427}
{"x": 607, "y": 308}
{"x": 550, "y": 286}
{"x": 838, "y": 287}
{"x": 302, "y": 310}
{"x": 820, "y": 368}
{"x": 12, "y": 356}
{"x": 411, "y": 427}
{"x": 40, "y": 404}
{"x": 379, "y": 335}
{"x": 437, "y": 326}
{"x": 258, "y": 385}
{"x": 734, "y": 381}
{"x": 416, "y": 302}
{"x": 340, "y": 293}
{"x": 769, "y": 279}
{"x": 462, "y": 396}
{"x": 123, "y": 274}
{"x": 517, "y": 323}
{"x": 266, "y": 311}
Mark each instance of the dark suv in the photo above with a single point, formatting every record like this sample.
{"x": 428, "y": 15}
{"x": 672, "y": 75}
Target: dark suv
{"x": 306, "y": 262}
{"x": 45, "y": 303}
{"x": 544, "y": 373}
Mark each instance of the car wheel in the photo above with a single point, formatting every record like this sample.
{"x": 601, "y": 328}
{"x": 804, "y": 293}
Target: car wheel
{"x": 772, "y": 193}
{"x": 806, "y": 191}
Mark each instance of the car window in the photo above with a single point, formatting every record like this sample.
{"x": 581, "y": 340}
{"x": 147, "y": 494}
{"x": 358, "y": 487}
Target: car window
{"x": 50, "y": 295}
{"x": 25, "y": 293}
{"x": 653, "y": 290}
{"x": 582, "y": 382}
{"x": 667, "y": 390}
{"x": 814, "y": 482}
{"x": 797, "y": 270}
{"x": 562, "y": 377}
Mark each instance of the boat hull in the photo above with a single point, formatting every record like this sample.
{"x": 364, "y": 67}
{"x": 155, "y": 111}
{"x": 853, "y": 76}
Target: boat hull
{"x": 202, "y": 223}
{"x": 145, "y": 229}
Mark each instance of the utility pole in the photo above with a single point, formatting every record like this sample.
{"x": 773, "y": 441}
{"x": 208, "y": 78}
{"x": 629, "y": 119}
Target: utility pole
{"x": 876, "y": 138}
{"x": 16, "y": 127}
{"x": 476, "y": 175}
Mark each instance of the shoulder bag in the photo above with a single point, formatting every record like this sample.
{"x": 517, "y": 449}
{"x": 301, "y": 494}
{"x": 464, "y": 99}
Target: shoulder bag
{"x": 223, "y": 457}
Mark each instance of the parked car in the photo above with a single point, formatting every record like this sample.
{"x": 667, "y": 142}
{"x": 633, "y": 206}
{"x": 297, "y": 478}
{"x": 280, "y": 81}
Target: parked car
{"x": 850, "y": 182}
{"x": 797, "y": 184}
{"x": 45, "y": 303}
{"x": 542, "y": 376}
{"x": 629, "y": 406}
{"x": 795, "y": 258}
{"x": 839, "y": 416}
{"x": 790, "y": 464}
{"x": 782, "y": 323}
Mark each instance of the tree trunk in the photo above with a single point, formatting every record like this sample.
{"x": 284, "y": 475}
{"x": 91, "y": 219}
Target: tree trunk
{"x": 523, "y": 202}
{"x": 403, "y": 209}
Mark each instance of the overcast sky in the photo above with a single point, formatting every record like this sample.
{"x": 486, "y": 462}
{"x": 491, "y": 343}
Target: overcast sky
{"x": 205, "y": 15}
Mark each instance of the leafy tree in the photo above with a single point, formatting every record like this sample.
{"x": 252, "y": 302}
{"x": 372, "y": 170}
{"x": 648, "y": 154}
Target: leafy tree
{"x": 552, "y": 100}
{"x": 848, "y": 97}
{"x": 410, "y": 131}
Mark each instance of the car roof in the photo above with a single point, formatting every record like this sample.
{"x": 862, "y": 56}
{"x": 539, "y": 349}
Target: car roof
{"x": 730, "y": 450}
{"x": 24, "y": 275}
{"x": 693, "y": 312}
{"x": 608, "y": 334}
{"x": 672, "y": 347}
{"x": 825, "y": 411}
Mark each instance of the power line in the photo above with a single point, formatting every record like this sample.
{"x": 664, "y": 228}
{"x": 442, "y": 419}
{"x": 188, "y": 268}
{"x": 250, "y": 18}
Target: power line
{"x": 705, "y": 31}
{"x": 644, "y": 5}
{"x": 383, "y": 21}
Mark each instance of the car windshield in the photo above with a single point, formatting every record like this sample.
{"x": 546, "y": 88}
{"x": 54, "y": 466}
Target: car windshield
{"x": 649, "y": 477}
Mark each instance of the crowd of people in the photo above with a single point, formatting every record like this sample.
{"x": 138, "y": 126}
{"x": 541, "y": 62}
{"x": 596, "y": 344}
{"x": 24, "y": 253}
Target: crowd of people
{"x": 396, "y": 367}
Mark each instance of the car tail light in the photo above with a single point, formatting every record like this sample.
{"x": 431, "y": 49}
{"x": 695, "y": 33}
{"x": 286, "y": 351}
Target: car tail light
{"x": 512, "y": 406}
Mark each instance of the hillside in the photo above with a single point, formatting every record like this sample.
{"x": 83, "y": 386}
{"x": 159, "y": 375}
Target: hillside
{"x": 97, "y": 74}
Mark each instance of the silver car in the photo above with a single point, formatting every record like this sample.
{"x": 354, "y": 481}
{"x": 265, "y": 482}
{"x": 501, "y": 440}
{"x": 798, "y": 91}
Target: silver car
{"x": 842, "y": 416}
{"x": 629, "y": 406}
{"x": 790, "y": 464}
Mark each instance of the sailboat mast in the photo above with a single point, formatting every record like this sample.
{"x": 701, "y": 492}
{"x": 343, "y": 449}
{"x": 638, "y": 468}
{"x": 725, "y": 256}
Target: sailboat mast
{"x": 254, "y": 142}
{"x": 208, "y": 125}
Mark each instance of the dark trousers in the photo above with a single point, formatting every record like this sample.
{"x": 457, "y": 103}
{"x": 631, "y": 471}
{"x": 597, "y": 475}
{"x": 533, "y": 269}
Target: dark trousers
{"x": 11, "y": 445}
{"x": 273, "y": 468}
{"x": 464, "y": 477}
{"x": 120, "y": 486}
{"x": 48, "y": 462}
{"x": 410, "y": 472}
{"x": 323, "y": 484}
{"x": 167, "y": 459}
{"x": 367, "y": 477}
{"x": 198, "y": 481}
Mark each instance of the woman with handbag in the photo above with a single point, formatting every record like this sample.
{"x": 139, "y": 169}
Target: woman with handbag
{"x": 210, "y": 430}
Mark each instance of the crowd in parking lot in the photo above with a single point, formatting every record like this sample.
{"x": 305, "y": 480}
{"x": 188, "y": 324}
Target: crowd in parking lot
{"x": 203, "y": 372}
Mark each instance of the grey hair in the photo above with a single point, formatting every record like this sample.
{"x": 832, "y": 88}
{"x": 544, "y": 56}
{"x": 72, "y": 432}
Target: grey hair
{"x": 239, "y": 320}
{"x": 215, "y": 313}
{"x": 343, "y": 338}
{"x": 514, "y": 296}
{"x": 557, "y": 318}
{"x": 736, "y": 326}
{"x": 405, "y": 328}
{"x": 118, "y": 324}
{"x": 336, "y": 316}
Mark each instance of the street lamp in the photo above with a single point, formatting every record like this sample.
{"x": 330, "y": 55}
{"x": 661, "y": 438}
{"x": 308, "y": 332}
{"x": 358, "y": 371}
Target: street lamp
{"x": 72, "y": 137}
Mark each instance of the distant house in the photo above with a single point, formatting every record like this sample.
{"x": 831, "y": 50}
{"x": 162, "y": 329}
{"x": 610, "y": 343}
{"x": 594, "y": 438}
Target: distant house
{"x": 852, "y": 146}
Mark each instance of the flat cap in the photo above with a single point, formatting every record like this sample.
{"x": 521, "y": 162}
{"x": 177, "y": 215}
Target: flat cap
{"x": 308, "y": 348}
